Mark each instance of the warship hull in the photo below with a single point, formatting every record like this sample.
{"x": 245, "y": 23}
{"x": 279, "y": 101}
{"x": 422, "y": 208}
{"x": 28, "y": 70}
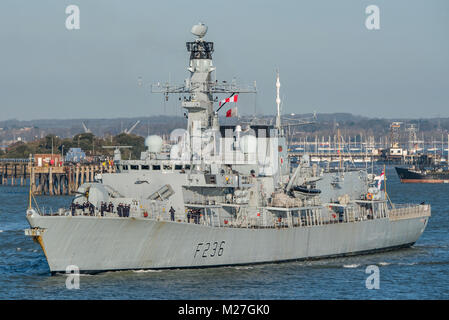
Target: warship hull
{"x": 237, "y": 185}
{"x": 96, "y": 244}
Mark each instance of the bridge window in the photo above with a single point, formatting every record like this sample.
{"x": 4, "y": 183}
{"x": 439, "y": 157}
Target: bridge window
{"x": 145, "y": 167}
{"x": 134, "y": 167}
{"x": 156, "y": 167}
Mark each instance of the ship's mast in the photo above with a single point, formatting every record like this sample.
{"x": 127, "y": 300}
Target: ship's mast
{"x": 200, "y": 103}
{"x": 199, "y": 86}
{"x": 278, "y": 103}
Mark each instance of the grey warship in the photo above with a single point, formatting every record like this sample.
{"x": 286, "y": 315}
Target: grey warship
{"x": 220, "y": 195}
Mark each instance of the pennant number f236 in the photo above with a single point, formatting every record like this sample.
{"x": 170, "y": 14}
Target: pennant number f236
{"x": 209, "y": 249}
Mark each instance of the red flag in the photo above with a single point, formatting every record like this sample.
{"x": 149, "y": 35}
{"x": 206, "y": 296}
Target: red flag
{"x": 231, "y": 99}
{"x": 231, "y": 113}
{"x": 381, "y": 178}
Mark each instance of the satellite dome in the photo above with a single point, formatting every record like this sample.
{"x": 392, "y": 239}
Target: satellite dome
{"x": 199, "y": 30}
{"x": 153, "y": 143}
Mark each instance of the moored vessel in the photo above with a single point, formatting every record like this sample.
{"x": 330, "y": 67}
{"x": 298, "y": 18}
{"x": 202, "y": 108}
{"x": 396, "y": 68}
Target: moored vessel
{"x": 424, "y": 171}
{"x": 416, "y": 175}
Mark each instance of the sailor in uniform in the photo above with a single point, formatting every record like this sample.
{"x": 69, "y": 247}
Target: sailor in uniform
{"x": 172, "y": 213}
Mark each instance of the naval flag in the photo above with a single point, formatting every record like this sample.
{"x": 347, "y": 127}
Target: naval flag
{"x": 380, "y": 179}
{"x": 230, "y": 99}
{"x": 231, "y": 112}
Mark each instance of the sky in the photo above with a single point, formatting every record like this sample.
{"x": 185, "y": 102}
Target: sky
{"x": 327, "y": 58}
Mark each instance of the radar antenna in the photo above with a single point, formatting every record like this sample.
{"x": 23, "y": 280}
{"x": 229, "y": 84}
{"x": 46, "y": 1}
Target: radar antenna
{"x": 200, "y": 89}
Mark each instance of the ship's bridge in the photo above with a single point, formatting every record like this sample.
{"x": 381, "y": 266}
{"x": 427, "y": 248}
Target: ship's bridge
{"x": 264, "y": 131}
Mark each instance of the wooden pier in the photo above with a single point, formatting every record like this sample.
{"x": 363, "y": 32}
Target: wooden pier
{"x": 61, "y": 179}
{"x": 13, "y": 171}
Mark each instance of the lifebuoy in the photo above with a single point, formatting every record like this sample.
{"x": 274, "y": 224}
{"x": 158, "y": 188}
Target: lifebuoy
{"x": 369, "y": 196}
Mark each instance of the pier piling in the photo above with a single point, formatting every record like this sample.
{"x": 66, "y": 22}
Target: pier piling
{"x": 58, "y": 179}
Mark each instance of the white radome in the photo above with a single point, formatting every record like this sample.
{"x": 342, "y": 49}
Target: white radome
{"x": 153, "y": 143}
{"x": 199, "y": 30}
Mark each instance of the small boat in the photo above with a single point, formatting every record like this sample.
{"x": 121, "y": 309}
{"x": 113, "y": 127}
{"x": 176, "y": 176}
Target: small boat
{"x": 307, "y": 190}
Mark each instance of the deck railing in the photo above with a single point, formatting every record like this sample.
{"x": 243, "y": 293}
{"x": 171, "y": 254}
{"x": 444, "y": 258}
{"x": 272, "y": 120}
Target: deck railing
{"x": 406, "y": 211}
{"x": 263, "y": 219}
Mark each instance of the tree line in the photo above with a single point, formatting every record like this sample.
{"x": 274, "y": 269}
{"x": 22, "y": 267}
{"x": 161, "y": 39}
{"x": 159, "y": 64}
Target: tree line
{"x": 88, "y": 142}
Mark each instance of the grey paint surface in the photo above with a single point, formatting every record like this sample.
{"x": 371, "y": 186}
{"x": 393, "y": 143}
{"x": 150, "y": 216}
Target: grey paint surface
{"x": 93, "y": 243}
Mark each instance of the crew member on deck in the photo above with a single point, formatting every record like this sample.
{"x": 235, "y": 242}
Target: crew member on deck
{"x": 196, "y": 216}
{"x": 172, "y": 214}
{"x": 91, "y": 209}
{"x": 111, "y": 207}
{"x": 189, "y": 215}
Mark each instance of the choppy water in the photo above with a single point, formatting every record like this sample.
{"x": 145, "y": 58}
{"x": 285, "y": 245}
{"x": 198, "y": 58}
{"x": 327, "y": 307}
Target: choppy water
{"x": 420, "y": 272}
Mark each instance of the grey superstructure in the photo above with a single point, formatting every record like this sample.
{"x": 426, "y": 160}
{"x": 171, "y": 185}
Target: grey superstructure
{"x": 220, "y": 195}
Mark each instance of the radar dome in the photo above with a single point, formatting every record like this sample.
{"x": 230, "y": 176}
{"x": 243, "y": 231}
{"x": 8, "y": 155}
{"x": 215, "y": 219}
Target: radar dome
{"x": 153, "y": 143}
{"x": 199, "y": 30}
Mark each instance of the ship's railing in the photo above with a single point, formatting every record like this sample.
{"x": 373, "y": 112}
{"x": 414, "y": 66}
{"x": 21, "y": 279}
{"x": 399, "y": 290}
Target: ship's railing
{"x": 150, "y": 214}
{"x": 266, "y": 218}
{"x": 406, "y": 211}
{"x": 67, "y": 212}
{"x": 44, "y": 211}
{"x": 262, "y": 220}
